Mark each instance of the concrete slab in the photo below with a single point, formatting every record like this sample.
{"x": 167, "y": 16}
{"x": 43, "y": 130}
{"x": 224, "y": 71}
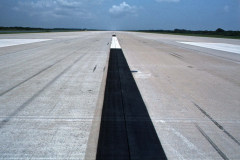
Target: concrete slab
{"x": 174, "y": 79}
{"x": 49, "y": 94}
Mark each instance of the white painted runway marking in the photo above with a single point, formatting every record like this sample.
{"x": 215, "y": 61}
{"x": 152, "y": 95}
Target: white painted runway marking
{"x": 218, "y": 46}
{"x": 13, "y": 42}
{"x": 141, "y": 75}
{"x": 115, "y": 44}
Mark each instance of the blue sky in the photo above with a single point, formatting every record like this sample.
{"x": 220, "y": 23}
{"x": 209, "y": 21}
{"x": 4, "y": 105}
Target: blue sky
{"x": 122, "y": 15}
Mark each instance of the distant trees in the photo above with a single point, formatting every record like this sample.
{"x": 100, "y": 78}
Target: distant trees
{"x": 38, "y": 29}
{"x": 220, "y": 30}
{"x": 217, "y": 33}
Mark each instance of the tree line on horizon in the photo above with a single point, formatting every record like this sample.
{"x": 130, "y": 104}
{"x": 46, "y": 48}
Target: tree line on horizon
{"x": 217, "y": 32}
{"x": 39, "y": 29}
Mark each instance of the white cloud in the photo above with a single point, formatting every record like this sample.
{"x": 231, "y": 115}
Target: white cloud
{"x": 69, "y": 3}
{"x": 122, "y": 9}
{"x": 167, "y": 0}
{"x": 46, "y": 9}
{"x": 226, "y": 8}
{"x": 50, "y": 4}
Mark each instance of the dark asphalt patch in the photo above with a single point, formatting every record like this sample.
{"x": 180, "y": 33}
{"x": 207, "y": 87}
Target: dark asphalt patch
{"x": 134, "y": 71}
{"x": 126, "y": 131}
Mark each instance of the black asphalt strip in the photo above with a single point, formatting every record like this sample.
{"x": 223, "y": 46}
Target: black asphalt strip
{"x": 126, "y": 131}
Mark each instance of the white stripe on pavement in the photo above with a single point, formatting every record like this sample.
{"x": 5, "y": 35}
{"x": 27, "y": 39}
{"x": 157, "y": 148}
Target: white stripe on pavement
{"x": 115, "y": 44}
{"x": 218, "y": 46}
{"x": 13, "y": 42}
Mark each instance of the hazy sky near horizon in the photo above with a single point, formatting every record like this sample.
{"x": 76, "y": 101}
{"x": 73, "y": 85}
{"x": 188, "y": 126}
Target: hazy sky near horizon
{"x": 122, "y": 15}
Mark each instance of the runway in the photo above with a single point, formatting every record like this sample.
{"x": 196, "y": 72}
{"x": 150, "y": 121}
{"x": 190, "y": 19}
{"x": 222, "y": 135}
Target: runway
{"x": 49, "y": 94}
{"x": 192, "y": 93}
{"x": 127, "y": 131}
{"x": 52, "y": 91}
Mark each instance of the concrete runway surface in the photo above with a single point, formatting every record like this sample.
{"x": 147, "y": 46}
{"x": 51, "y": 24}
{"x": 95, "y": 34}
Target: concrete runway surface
{"x": 52, "y": 91}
